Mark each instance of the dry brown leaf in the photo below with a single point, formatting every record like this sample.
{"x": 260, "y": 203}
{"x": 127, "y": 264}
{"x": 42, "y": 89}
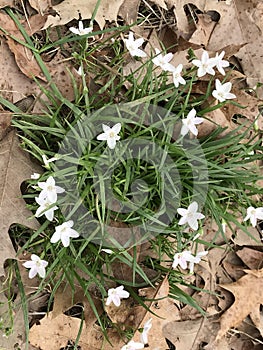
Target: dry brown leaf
{"x": 212, "y": 233}
{"x": 216, "y": 118}
{"x": 14, "y": 84}
{"x": 248, "y": 297}
{"x": 237, "y": 26}
{"x": 204, "y": 29}
{"x": 242, "y": 238}
{"x": 57, "y": 67}
{"x": 251, "y": 257}
{"x": 65, "y": 298}
{"x": 41, "y": 6}
{"x": 15, "y": 167}
{"x": 68, "y": 10}
{"x": 54, "y": 333}
{"x": 24, "y": 57}
{"x": 190, "y": 335}
{"x": 5, "y": 3}
{"x": 240, "y": 24}
{"x": 161, "y": 3}
{"x": 183, "y": 25}
{"x": 5, "y": 120}
{"x": 129, "y": 10}
{"x": 251, "y": 110}
{"x": 166, "y": 311}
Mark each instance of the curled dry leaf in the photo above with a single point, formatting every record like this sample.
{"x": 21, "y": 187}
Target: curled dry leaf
{"x": 14, "y": 84}
{"x": 249, "y": 285}
{"x": 24, "y": 57}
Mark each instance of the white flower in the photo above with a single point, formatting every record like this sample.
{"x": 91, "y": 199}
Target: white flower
{"x": 64, "y": 232}
{"x": 224, "y": 225}
{"x": 163, "y": 61}
{"x": 132, "y": 345}
{"x": 222, "y": 91}
{"x": 146, "y": 329}
{"x": 205, "y": 65}
{"x": 190, "y": 122}
{"x": 197, "y": 260}
{"x": 190, "y": 216}
{"x": 133, "y": 46}
{"x": 35, "y": 176}
{"x": 177, "y": 79}
{"x": 80, "y": 71}
{"x": 253, "y": 214}
{"x": 81, "y": 30}
{"x": 47, "y": 161}
{"x": 45, "y": 208}
{"x": 50, "y": 190}
{"x": 182, "y": 259}
{"x": 116, "y": 294}
{"x": 36, "y": 266}
{"x": 110, "y": 135}
{"x": 220, "y": 63}
{"x": 108, "y": 251}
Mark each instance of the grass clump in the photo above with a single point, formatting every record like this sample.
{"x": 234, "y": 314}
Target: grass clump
{"x": 123, "y": 198}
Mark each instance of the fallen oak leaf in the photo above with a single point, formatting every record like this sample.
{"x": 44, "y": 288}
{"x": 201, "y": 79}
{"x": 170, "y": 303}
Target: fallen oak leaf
{"x": 15, "y": 167}
{"x": 53, "y": 333}
{"x": 248, "y": 297}
{"x": 192, "y": 334}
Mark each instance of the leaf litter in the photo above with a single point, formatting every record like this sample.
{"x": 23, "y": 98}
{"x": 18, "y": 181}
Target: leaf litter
{"x": 238, "y": 28}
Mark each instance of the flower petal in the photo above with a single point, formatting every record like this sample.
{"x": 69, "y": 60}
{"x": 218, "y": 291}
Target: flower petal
{"x": 55, "y": 237}
{"x": 32, "y": 272}
{"x": 193, "y": 207}
{"x": 116, "y": 128}
{"x": 102, "y": 137}
{"x": 111, "y": 142}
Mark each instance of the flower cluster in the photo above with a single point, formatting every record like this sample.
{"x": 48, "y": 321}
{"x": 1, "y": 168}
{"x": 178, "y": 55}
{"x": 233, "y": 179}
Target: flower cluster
{"x": 47, "y": 205}
{"x": 205, "y": 65}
